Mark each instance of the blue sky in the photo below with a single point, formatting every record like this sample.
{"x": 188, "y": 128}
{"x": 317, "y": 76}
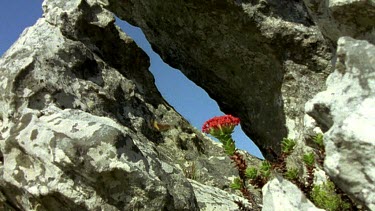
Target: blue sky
{"x": 188, "y": 99}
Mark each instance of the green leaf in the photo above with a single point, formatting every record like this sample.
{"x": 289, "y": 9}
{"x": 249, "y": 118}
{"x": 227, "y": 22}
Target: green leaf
{"x": 309, "y": 159}
{"x": 229, "y": 147}
{"x": 292, "y": 174}
{"x": 324, "y": 196}
{"x": 318, "y": 139}
{"x": 287, "y": 145}
{"x": 265, "y": 169}
{"x": 251, "y": 173}
{"x": 236, "y": 184}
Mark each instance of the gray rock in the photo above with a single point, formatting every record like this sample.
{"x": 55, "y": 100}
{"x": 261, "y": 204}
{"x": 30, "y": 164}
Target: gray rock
{"x": 221, "y": 201}
{"x": 56, "y": 154}
{"x": 337, "y": 18}
{"x": 260, "y": 60}
{"x": 279, "y": 194}
{"x": 69, "y": 159}
{"x": 346, "y": 110}
{"x": 76, "y": 106}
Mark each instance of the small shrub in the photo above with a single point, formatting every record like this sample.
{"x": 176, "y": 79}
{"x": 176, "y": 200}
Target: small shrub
{"x": 265, "y": 169}
{"x": 251, "y": 173}
{"x": 236, "y": 184}
{"x": 318, "y": 139}
{"x": 324, "y": 197}
{"x": 292, "y": 174}
{"x": 287, "y": 145}
{"x": 309, "y": 159}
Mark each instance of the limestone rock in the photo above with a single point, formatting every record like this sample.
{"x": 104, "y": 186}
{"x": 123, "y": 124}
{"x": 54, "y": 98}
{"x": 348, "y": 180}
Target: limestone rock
{"x": 69, "y": 159}
{"x": 346, "y": 111}
{"x": 76, "y": 104}
{"x": 280, "y": 194}
{"x": 260, "y": 60}
{"x": 221, "y": 200}
{"x": 337, "y": 18}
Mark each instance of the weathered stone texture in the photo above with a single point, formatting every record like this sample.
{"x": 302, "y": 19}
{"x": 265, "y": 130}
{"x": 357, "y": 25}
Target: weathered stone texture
{"x": 221, "y": 200}
{"x": 76, "y": 104}
{"x": 280, "y": 194}
{"x": 346, "y": 113}
{"x": 337, "y": 18}
{"x": 259, "y": 60}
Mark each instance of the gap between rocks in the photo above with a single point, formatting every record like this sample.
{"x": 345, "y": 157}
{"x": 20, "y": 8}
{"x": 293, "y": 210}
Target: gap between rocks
{"x": 186, "y": 97}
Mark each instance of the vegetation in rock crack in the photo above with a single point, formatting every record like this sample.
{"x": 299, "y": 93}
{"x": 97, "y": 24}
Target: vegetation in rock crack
{"x": 265, "y": 169}
{"x": 251, "y": 173}
{"x": 325, "y": 197}
{"x": 309, "y": 159}
{"x": 291, "y": 174}
{"x": 236, "y": 184}
{"x": 222, "y": 128}
{"x": 287, "y": 145}
{"x": 318, "y": 139}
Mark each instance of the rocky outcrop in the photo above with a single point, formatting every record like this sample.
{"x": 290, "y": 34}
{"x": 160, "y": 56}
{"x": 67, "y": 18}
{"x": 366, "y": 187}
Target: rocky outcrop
{"x": 215, "y": 199}
{"x": 260, "y": 60}
{"x": 280, "y": 194}
{"x": 346, "y": 113}
{"x": 337, "y": 18}
{"x": 77, "y": 106}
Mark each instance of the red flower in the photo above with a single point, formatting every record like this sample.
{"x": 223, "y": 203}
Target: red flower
{"x": 224, "y": 124}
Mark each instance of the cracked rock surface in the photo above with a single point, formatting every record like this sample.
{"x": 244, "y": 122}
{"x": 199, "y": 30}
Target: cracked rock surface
{"x": 260, "y": 60}
{"x": 76, "y": 105}
{"x": 346, "y": 110}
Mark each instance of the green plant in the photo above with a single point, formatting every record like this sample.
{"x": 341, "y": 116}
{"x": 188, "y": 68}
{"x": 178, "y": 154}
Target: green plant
{"x": 309, "y": 159}
{"x": 292, "y": 174}
{"x": 229, "y": 147}
{"x": 265, "y": 169}
{"x": 287, "y": 145}
{"x": 251, "y": 173}
{"x": 236, "y": 184}
{"x": 318, "y": 139}
{"x": 324, "y": 197}
{"x": 222, "y": 128}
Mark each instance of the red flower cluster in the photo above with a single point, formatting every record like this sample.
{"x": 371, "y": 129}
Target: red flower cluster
{"x": 219, "y": 122}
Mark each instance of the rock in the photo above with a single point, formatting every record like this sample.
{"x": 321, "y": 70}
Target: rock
{"x": 76, "y": 106}
{"x": 70, "y": 159}
{"x": 260, "y": 61}
{"x": 280, "y": 194}
{"x": 59, "y": 156}
{"x": 337, "y": 18}
{"x": 346, "y": 111}
{"x": 221, "y": 201}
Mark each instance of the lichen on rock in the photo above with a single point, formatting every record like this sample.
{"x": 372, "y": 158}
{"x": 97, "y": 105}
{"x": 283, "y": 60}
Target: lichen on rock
{"x": 348, "y": 119}
{"x": 83, "y": 126}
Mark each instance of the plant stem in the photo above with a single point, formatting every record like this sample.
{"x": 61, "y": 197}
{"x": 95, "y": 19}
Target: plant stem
{"x": 241, "y": 166}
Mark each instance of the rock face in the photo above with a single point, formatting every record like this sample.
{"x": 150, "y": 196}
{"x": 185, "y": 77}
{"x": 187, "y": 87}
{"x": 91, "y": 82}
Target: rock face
{"x": 77, "y": 102}
{"x": 215, "y": 199}
{"x": 78, "y": 106}
{"x": 280, "y": 194}
{"x": 337, "y": 18}
{"x": 260, "y": 60}
{"x": 347, "y": 110}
